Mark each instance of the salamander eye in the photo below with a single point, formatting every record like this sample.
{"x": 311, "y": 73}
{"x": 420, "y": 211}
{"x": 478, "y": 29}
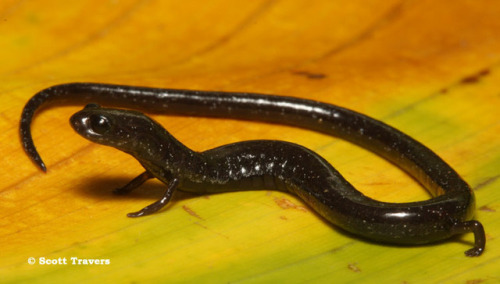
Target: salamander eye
{"x": 99, "y": 124}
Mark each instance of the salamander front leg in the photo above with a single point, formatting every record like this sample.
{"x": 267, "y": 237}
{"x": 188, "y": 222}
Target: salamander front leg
{"x": 133, "y": 184}
{"x": 479, "y": 236}
{"x": 152, "y": 208}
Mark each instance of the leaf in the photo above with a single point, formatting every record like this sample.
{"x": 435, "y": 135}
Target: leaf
{"x": 429, "y": 68}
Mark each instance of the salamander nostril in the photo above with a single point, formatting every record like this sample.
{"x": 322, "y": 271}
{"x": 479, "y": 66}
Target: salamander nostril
{"x": 92, "y": 105}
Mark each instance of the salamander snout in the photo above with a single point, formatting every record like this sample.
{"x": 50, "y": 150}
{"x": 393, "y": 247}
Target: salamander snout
{"x": 90, "y": 125}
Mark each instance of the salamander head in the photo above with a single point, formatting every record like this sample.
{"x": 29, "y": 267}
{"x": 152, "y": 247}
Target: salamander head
{"x": 126, "y": 130}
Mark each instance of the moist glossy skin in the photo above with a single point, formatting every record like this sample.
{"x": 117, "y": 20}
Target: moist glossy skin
{"x": 270, "y": 164}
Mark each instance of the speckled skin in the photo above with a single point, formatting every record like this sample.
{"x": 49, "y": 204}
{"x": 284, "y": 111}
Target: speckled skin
{"x": 271, "y": 164}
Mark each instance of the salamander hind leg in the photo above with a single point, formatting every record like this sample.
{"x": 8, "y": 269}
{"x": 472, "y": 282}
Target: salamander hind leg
{"x": 479, "y": 235}
{"x": 133, "y": 184}
{"x": 152, "y": 208}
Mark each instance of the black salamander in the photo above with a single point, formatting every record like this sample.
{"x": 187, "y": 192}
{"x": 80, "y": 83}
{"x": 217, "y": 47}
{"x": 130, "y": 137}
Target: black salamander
{"x": 265, "y": 164}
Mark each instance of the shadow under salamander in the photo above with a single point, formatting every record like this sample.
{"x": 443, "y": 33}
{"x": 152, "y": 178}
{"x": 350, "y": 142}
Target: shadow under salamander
{"x": 102, "y": 189}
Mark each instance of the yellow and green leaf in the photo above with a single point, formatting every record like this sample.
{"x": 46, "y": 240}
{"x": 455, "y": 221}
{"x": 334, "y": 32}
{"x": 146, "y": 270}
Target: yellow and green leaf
{"x": 429, "y": 68}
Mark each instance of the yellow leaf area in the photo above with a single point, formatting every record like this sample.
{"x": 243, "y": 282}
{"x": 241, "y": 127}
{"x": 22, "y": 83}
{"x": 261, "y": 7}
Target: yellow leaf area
{"x": 429, "y": 68}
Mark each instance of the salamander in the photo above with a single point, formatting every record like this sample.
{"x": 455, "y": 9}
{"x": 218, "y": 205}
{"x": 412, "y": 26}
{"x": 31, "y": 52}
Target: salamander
{"x": 269, "y": 164}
